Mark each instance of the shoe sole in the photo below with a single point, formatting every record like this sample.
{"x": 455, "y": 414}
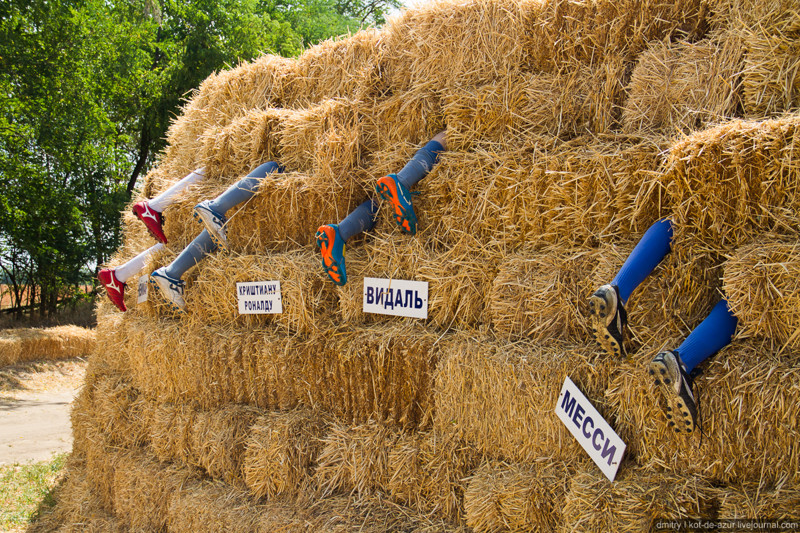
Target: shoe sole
{"x": 334, "y": 269}
{"x": 222, "y": 245}
{"x": 676, "y": 411}
{"x": 163, "y": 298}
{"x": 598, "y": 315}
{"x": 387, "y": 190}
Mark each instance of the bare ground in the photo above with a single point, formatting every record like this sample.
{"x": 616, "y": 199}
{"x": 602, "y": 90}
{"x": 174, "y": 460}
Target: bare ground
{"x": 35, "y": 402}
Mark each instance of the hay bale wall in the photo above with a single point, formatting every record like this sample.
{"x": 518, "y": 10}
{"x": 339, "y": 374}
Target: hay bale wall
{"x": 572, "y": 127}
{"x": 32, "y": 344}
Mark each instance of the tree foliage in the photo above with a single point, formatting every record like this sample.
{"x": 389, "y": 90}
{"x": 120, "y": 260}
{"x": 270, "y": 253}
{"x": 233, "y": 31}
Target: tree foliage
{"x": 87, "y": 92}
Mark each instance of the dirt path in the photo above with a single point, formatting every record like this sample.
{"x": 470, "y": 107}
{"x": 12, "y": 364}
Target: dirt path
{"x": 35, "y": 402}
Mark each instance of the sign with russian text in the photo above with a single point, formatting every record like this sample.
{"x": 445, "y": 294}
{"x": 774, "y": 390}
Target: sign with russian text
{"x": 592, "y": 431}
{"x": 144, "y": 282}
{"x": 396, "y": 297}
{"x": 259, "y": 297}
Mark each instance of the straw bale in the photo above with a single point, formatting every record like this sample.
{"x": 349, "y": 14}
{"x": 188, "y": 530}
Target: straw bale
{"x": 406, "y": 118}
{"x": 459, "y": 276}
{"x": 269, "y": 81}
{"x": 427, "y": 473}
{"x": 213, "y": 506}
{"x": 345, "y": 67}
{"x": 771, "y": 75}
{"x": 287, "y": 211}
{"x": 144, "y": 488}
{"x": 342, "y": 514}
{"x": 382, "y": 372}
{"x": 684, "y": 86}
{"x": 587, "y": 31}
{"x": 514, "y": 497}
{"x": 769, "y": 15}
{"x": 580, "y": 192}
{"x": 326, "y": 139}
{"x": 634, "y": 501}
{"x": 109, "y": 327}
{"x": 748, "y": 397}
{"x": 77, "y": 509}
{"x": 762, "y": 286}
{"x": 753, "y": 500}
{"x": 217, "y": 441}
{"x": 509, "y": 111}
{"x": 355, "y": 459}
{"x": 120, "y": 414}
{"x": 281, "y": 452}
{"x": 21, "y": 345}
{"x": 451, "y": 41}
{"x": 307, "y": 296}
{"x": 170, "y": 431}
{"x": 732, "y": 181}
{"x": 500, "y": 397}
{"x": 542, "y": 294}
{"x": 245, "y": 143}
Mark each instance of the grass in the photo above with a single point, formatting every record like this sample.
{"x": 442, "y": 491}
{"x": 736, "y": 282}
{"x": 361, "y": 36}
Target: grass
{"x": 26, "y": 488}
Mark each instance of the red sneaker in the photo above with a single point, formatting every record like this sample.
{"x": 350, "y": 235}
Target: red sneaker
{"x": 152, "y": 220}
{"x": 114, "y": 288}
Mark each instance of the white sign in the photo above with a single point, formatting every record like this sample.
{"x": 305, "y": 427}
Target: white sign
{"x": 142, "y": 289}
{"x": 592, "y": 431}
{"x": 259, "y": 297}
{"x": 396, "y": 297}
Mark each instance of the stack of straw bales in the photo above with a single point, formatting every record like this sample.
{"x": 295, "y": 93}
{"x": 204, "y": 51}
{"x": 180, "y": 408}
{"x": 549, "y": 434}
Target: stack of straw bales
{"x": 572, "y": 127}
{"x": 32, "y": 344}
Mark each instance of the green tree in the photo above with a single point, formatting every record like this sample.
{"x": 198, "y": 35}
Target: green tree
{"x": 87, "y": 92}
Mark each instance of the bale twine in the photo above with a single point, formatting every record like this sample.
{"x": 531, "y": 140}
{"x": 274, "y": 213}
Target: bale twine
{"x": 763, "y": 292}
{"x": 515, "y": 497}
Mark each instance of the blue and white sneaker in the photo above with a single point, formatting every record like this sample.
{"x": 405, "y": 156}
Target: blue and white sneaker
{"x": 389, "y": 188}
{"x": 213, "y": 221}
{"x": 170, "y": 290}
